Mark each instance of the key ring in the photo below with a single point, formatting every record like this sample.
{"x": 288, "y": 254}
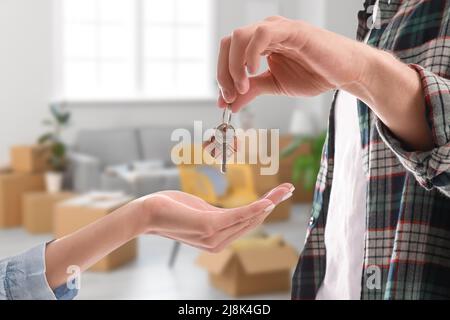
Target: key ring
{"x": 227, "y": 114}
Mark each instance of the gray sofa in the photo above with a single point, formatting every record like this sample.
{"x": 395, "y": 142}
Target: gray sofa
{"x": 134, "y": 160}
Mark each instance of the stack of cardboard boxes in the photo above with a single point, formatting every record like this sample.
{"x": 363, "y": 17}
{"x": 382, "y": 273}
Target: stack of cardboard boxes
{"x": 257, "y": 264}
{"x": 28, "y": 164}
{"x": 38, "y": 209}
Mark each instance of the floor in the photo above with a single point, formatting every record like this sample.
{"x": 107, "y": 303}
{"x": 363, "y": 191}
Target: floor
{"x": 149, "y": 276}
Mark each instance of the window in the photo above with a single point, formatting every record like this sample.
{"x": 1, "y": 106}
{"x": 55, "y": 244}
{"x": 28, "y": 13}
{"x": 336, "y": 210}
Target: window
{"x": 136, "y": 49}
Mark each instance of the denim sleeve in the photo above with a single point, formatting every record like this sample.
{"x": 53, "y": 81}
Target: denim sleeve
{"x": 22, "y": 277}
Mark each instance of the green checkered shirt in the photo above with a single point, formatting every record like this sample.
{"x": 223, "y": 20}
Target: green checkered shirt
{"x": 407, "y": 238}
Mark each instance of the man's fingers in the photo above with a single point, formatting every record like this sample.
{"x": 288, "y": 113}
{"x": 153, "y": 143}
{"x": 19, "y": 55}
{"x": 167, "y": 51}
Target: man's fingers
{"x": 258, "y": 44}
{"x": 259, "y": 85}
{"x": 239, "y": 42}
{"x": 224, "y": 78}
{"x": 221, "y": 101}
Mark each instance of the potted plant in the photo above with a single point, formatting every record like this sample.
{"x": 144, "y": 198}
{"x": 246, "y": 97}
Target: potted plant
{"x": 306, "y": 167}
{"x": 52, "y": 140}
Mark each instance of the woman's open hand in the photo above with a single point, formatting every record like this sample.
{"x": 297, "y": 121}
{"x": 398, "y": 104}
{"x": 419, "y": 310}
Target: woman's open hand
{"x": 189, "y": 219}
{"x": 170, "y": 214}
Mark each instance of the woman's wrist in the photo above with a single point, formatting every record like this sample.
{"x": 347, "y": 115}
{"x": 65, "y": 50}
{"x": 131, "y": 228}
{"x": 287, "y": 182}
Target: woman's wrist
{"x": 108, "y": 234}
{"x": 137, "y": 217}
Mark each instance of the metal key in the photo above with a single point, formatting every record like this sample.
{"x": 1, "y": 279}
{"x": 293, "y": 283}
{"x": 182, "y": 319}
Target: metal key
{"x": 223, "y": 167}
{"x": 226, "y": 119}
{"x": 223, "y": 143}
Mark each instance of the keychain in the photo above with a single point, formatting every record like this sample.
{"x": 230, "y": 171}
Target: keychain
{"x": 223, "y": 144}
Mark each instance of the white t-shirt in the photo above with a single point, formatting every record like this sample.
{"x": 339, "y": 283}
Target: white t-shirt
{"x": 345, "y": 227}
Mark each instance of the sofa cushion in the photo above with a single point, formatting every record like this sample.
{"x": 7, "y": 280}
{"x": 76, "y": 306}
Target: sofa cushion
{"x": 111, "y": 147}
{"x": 156, "y": 143}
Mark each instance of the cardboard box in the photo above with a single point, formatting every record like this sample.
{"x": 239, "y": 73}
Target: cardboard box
{"x": 37, "y": 215}
{"x": 73, "y": 214}
{"x": 286, "y": 168}
{"x": 12, "y": 187}
{"x": 30, "y": 159}
{"x": 251, "y": 268}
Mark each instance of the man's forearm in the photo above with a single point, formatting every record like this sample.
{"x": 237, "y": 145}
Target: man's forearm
{"x": 88, "y": 245}
{"x": 394, "y": 92}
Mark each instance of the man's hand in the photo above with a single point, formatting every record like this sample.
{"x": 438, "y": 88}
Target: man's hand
{"x": 189, "y": 219}
{"x": 303, "y": 61}
{"x": 306, "y": 61}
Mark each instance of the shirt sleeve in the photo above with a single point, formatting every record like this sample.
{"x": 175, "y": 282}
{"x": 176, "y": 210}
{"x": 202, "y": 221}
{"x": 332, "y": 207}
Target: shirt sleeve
{"x": 22, "y": 277}
{"x": 431, "y": 168}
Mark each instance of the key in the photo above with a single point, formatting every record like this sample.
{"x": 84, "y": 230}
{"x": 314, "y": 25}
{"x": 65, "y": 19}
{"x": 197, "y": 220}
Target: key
{"x": 223, "y": 167}
{"x": 226, "y": 119}
{"x": 223, "y": 143}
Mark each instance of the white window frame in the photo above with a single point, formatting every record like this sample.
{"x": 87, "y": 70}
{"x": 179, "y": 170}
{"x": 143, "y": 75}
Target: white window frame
{"x": 139, "y": 98}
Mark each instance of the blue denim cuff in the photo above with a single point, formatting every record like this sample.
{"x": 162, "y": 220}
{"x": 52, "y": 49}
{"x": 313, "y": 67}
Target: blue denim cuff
{"x": 25, "y": 278}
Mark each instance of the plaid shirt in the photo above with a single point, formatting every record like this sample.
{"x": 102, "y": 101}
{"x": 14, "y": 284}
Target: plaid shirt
{"x": 407, "y": 238}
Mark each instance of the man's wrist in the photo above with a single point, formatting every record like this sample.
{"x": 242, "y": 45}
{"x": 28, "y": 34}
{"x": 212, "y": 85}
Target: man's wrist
{"x": 365, "y": 86}
{"x": 394, "y": 93}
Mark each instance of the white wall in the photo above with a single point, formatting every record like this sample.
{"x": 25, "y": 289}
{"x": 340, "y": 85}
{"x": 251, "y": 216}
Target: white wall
{"x": 26, "y": 71}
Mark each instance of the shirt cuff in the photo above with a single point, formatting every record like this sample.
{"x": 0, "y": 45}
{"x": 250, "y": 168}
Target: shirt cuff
{"x": 412, "y": 161}
{"x": 25, "y": 278}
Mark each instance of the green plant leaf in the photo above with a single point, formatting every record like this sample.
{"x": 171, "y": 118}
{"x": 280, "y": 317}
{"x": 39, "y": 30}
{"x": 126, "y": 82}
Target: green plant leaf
{"x": 57, "y": 163}
{"x": 61, "y": 116}
{"x": 59, "y": 149}
{"x": 301, "y": 165}
{"x": 317, "y": 143}
{"x": 48, "y": 122}
{"x": 309, "y": 180}
{"x": 45, "y": 138}
{"x": 293, "y": 146}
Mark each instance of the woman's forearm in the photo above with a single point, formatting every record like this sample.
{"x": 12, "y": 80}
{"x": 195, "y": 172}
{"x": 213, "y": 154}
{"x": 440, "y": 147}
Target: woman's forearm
{"x": 93, "y": 242}
{"x": 394, "y": 92}
{"x": 171, "y": 214}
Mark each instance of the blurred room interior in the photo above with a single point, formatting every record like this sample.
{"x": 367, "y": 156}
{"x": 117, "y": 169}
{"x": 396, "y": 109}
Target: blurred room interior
{"x": 113, "y": 79}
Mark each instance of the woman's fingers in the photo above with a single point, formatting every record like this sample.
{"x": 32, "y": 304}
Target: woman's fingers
{"x": 218, "y": 241}
{"x": 286, "y": 185}
{"x": 188, "y": 199}
{"x": 231, "y": 217}
{"x": 279, "y": 195}
{"x": 171, "y": 215}
{"x": 210, "y": 242}
{"x": 244, "y": 230}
